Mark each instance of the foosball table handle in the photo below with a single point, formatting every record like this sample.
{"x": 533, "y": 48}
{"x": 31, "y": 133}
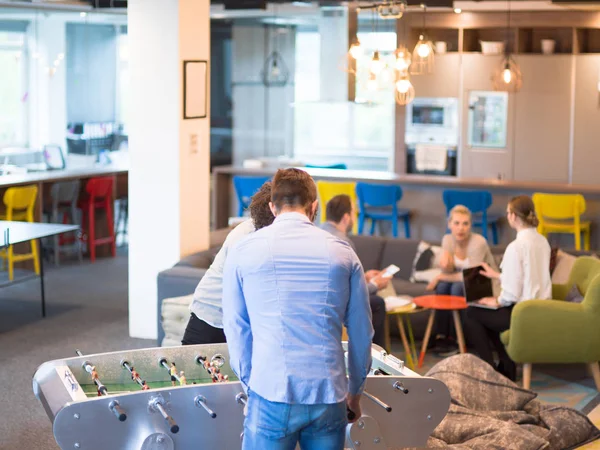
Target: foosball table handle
{"x": 200, "y": 402}
{"x": 157, "y": 404}
{"x": 117, "y": 411}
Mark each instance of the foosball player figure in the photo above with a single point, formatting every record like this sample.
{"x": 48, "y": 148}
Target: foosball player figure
{"x": 182, "y": 380}
{"x": 99, "y": 393}
{"x": 173, "y": 372}
{"x": 94, "y": 373}
{"x": 134, "y": 374}
{"x": 145, "y": 386}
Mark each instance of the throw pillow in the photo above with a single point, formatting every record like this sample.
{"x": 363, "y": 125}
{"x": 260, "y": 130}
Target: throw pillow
{"x": 426, "y": 276}
{"x": 425, "y": 260}
{"x": 420, "y": 249}
{"x": 574, "y": 295}
{"x": 564, "y": 264}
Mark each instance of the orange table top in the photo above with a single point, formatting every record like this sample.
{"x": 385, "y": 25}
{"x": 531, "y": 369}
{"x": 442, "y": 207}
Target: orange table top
{"x": 443, "y": 302}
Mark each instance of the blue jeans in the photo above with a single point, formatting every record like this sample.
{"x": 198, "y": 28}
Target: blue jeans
{"x": 280, "y": 426}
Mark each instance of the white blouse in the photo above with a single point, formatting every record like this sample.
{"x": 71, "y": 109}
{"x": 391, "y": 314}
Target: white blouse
{"x": 526, "y": 269}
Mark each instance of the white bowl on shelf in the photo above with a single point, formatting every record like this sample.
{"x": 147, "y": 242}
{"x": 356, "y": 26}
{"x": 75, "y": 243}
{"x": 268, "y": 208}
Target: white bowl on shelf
{"x": 492, "y": 47}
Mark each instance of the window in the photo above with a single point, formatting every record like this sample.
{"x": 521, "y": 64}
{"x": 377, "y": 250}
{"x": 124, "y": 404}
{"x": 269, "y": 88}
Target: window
{"x": 13, "y": 88}
{"x": 308, "y": 71}
{"x": 123, "y": 78}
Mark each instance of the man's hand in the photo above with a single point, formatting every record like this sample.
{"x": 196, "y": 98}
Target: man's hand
{"x": 353, "y": 404}
{"x": 370, "y": 274}
{"x": 433, "y": 283}
{"x": 488, "y": 271}
{"x": 488, "y": 301}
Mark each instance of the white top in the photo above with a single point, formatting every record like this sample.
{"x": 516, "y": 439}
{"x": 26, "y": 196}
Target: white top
{"x": 526, "y": 269}
{"x": 207, "y": 302}
{"x": 460, "y": 264}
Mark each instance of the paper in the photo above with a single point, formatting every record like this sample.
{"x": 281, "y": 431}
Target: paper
{"x": 392, "y": 303}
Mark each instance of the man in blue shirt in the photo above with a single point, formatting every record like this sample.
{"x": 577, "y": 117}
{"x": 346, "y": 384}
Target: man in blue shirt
{"x": 287, "y": 291}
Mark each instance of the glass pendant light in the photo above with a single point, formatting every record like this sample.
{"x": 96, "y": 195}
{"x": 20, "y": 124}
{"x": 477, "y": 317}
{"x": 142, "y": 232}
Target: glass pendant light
{"x": 508, "y": 77}
{"x": 422, "y": 58}
{"x": 403, "y": 59}
{"x": 404, "y": 90}
{"x": 376, "y": 65}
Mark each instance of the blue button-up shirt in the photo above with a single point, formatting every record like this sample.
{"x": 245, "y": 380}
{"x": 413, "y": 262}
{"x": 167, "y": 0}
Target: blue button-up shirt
{"x": 287, "y": 290}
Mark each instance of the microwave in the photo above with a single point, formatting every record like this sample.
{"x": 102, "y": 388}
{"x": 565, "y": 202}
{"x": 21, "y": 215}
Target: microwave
{"x": 432, "y": 120}
{"x": 432, "y": 112}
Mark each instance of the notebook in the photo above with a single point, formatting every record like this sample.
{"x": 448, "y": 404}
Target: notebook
{"x": 477, "y": 286}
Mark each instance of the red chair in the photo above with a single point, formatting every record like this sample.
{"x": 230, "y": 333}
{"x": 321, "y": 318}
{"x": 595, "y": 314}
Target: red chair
{"x": 100, "y": 191}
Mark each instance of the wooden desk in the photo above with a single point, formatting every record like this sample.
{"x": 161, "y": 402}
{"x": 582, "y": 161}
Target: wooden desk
{"x": 422, "y": 195}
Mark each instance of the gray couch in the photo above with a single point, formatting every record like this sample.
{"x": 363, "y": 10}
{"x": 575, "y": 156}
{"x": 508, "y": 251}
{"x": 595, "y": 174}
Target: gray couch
{"x": 374, "y": 252}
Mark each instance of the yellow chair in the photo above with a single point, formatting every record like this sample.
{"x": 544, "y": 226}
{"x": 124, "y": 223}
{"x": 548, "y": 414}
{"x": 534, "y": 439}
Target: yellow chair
{"x": 328, "y": 189}
{"x": 561, "y": 213}
{"x": 20, "y": 203}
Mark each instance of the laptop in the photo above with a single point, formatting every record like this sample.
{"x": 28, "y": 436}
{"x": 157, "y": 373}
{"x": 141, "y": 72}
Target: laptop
{"x": 477, "y": 286}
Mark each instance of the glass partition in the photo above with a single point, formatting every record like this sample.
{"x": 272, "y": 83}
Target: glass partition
{"x": 488, "y": 117}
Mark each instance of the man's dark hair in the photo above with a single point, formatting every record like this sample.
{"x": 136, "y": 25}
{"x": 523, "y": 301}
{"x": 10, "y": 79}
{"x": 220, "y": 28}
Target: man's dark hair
{"x": 293, "y": 188}
{"x": 337, "y": 207}
{"x": 259, "y": 207}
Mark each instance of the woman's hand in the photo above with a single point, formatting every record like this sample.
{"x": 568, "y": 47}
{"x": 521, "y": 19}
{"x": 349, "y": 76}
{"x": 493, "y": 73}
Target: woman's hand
{"x": 447, "y": 262}
{"x": 433, "y": 283}
{"x": 488, "y": 271}
{"x": 488, "y": 301}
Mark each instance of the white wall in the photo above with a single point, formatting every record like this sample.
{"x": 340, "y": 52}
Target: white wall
{"x": 168, "y": 180}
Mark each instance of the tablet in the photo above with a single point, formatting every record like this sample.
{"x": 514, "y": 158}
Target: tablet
{"x": 477, "y": 286}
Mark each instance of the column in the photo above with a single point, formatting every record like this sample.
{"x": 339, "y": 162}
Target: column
{"x": 169, "y": 177}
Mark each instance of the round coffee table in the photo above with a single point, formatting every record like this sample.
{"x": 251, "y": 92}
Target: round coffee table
{"x": 442, "y": 303}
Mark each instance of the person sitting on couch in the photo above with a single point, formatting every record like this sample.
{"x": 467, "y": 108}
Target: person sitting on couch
{"x": 206, "y": 313}
{"x": 461, "y": 249}
{"x": 340, "y": 220}
{"x": 525, "y": 276}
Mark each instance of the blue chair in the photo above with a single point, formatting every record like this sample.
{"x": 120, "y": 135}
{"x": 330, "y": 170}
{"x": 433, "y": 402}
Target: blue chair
{"x": 380, "y": 202}
{"x": 478, "y": 203}
{"x": 245, "y": 188}
{"x": 341, "y": 166}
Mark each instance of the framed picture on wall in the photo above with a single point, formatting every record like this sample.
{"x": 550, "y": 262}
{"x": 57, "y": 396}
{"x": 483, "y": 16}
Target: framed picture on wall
{"x": 195, "y": 76}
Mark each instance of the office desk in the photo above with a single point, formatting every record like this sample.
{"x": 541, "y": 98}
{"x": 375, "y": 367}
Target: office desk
{"x": 18, "y": 232}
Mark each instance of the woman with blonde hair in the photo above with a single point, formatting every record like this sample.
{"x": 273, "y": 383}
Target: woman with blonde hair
{"x": 525, "y": 276}
{"x": 461, "y": 249}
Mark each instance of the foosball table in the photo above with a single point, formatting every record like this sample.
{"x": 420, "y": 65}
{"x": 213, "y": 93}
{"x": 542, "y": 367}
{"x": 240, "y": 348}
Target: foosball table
{"x": 176, "y": 398}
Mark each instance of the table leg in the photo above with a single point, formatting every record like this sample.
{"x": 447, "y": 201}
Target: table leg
{"x": 388, "y": 342}
{"x": 459, "y": 332}
{"x": 426, "y": 337}
{"x": 411, "y": 337}
{"x": 42, "y": 279}
{"x": 407, "y": 350}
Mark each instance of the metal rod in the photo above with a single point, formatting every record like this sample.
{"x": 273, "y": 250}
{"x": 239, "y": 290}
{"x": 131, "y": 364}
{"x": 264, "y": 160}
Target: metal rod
{"x": 378, "y": 402}
{"x": 400, "y": 387}
{"x": 241, "y": 398}
{"x": 200, "y": 401}
{"x": 164, "y": 363}
{"x": 117, "y": 411}
{"x": 126, "y": 366}
{"x": 172, "y": 424}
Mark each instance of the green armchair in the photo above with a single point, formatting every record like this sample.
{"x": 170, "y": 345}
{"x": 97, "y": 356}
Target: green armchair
{"x": 556, "y": 331}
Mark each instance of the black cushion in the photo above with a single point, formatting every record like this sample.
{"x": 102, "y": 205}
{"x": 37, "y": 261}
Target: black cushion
{"x": 424, "y": 261}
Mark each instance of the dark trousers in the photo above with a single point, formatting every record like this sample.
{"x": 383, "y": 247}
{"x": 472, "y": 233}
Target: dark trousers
{"x": 199, "y": 332}
{"x": 485, "y": 326}
{"x": 379, "y": 315}
{"x": 444, "y": 322}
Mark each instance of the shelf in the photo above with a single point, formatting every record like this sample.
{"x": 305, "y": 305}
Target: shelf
{"x": 447, "y": 35}
{"x": 473, "y": 36}
{"x": 530, "y": 40}
{"x": 588, "y": 40}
